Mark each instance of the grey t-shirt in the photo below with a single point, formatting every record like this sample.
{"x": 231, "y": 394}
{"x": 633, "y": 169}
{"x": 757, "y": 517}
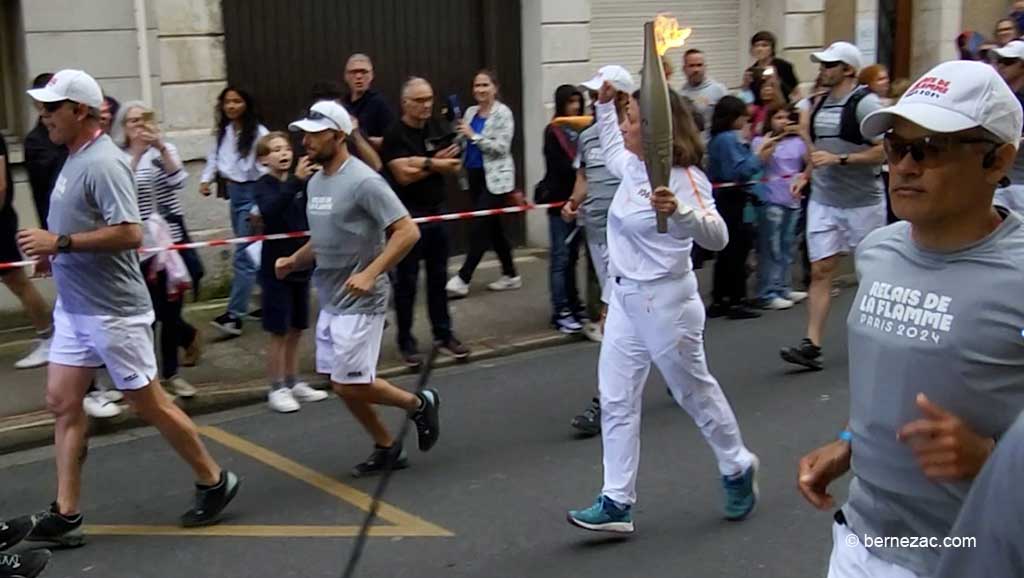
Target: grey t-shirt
{"x": 348, "y": 213}
{"x": 946, "y": 325}
{"x": 705, "y": 96}
{"x": 601, "y": 184}
{"x": 993, "y": 516}
{"x": 851, "y": 185}
{"x": 96, "y": 189}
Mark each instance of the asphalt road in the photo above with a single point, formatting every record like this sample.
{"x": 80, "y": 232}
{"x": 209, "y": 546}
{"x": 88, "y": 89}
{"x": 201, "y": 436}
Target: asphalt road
{"x": 490, "y": 499}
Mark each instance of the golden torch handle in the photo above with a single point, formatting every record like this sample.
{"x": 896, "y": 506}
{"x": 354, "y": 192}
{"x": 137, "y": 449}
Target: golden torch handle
{"x": 656, "y": 124}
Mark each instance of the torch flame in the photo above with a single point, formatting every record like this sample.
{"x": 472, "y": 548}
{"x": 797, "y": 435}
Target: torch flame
{"x": 667, "y": 33}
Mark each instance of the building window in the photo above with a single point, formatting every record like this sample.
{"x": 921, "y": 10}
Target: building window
{"x": 9, "y": 87}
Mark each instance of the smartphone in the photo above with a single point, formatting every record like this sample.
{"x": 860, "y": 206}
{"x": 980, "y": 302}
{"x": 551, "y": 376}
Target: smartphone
{"x": 454, "y": 107}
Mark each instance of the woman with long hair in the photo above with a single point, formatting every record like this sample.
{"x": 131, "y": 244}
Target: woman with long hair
{"x": 159, "y": 177}
{"x": 655, "y": 315}
{"x": 232, "y": 162}
{"x": 488, "y": 128}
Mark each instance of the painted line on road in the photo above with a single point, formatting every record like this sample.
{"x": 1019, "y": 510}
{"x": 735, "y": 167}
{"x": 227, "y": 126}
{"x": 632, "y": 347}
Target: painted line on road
{"x": 248, "y": 531}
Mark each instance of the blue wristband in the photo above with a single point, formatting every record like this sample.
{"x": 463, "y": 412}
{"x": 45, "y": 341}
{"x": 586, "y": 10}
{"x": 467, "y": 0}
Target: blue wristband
{"x": 846, "y": 436}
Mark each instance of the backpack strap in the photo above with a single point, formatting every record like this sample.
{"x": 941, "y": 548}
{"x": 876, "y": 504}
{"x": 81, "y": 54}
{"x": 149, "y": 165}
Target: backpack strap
{"x": 849, "y": 124}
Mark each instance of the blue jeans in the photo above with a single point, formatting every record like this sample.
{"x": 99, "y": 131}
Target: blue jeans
{"x": 776, "y": 232}
{"x": 562, "y": 272}
{"x": 242, "y": 197}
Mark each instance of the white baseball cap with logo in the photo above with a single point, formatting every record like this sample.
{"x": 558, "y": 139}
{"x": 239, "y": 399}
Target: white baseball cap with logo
{"x": 840, "y": 52}
{"x": 955, "y": 96}
{"x": 620, "y": 78}
{"x": 1013, "y": 49}
{"x": 324, "y": 115}
{"x": 73, "y": 85}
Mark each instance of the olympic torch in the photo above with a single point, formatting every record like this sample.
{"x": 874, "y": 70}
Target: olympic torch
{"x": 655, "y": 109}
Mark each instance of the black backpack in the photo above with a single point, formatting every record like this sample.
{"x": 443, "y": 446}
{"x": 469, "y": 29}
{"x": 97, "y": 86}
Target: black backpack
{"x": 849, "y": 127}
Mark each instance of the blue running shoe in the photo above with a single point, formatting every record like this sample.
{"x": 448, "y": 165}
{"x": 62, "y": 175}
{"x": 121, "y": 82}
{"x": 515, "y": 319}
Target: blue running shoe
{"x": 604, "y": 516}
{"x": 741, "y": 493}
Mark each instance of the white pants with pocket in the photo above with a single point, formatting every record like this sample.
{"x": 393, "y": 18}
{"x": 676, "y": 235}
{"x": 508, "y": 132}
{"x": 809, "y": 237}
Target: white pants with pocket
{"x": 850, "y": 559}
{"x": 660, "y": 322}
{"x": 348, "y": 347}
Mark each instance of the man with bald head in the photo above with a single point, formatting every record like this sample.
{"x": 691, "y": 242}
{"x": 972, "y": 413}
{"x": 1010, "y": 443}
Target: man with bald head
{"x": 370, "y": 109}
{"x": 418, "y": 153}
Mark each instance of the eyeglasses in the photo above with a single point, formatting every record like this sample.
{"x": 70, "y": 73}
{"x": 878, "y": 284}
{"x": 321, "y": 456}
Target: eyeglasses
{"x": 317, "y": 115}
{"x": 1002, "y": 61}
{"x": 54, "y": 106}
{"x": 359, "y": 71}
{"x": 831, "y": 64}
{"x": 926, "y": 149}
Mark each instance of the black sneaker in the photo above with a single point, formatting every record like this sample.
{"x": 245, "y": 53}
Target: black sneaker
{"x": 589, "y": 422}
{"x": 14, "y": 531}
{"x": 742, "y": 312}
{"x": 454, "y": 348}
{"x": 210, "y": 502}
{"x": 716, "y": 310}
{"x": 378, "y": 461}
{"x": 411, "y": 358}
{"x": 55, "y": 528}
{"x": 228, "y": 324}
{"x": 255, "y": 314}
{"x": 26, "y": 565}
{"x": 806, "y": 354}
{"x": 427, "y": 419}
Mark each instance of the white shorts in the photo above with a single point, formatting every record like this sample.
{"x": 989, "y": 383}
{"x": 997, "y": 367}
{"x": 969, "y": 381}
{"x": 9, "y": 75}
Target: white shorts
{"x": 348, "y": 346}
{"x": 833, "y": 230}
{"x": 1011, "y": 197}
{"x": 850, "y": 559}
{"x": 123, "y": 344}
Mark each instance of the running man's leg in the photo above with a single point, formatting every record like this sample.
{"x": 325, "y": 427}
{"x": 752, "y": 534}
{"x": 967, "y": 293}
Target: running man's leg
{"x": 65, "y": 389}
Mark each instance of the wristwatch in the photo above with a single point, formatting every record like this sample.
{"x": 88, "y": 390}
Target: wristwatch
{"x": 843, "y": 159}
{"x": 427, "y": 163}
{"x": 64, "y": 244}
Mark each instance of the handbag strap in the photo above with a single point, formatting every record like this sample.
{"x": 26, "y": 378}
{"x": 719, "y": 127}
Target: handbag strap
{"x": 563, "y": 139}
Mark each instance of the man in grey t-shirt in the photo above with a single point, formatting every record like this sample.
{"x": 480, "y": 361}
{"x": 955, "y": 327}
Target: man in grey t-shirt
{"x": 846, "y": 193}
{"x": 350, "y": 208}
{"x": 703, "y": 91}
{"x": 935, "y": 332}
{"x": 103, "y": 314}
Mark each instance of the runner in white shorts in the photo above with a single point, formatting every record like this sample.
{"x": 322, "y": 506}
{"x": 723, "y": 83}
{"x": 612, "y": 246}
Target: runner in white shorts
{"x": 1010, "y": 65}
{"x": 350, "y": 208}
{"x": 934, "y": 333}
{"x": 103, "y": 314}
{"x": 846, "y": 201}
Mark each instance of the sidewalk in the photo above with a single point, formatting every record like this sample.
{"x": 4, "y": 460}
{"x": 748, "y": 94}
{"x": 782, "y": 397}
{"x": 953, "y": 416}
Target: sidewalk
{"x": 231, "y": 372}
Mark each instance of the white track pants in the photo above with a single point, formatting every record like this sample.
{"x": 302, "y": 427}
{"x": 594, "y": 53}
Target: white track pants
{"x": 661, "y": 322}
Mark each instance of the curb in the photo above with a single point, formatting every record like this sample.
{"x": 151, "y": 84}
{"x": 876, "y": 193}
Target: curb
{"x": 35, "y": 429}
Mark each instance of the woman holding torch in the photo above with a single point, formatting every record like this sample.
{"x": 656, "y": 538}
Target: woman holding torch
{"x": 655, "y": 314}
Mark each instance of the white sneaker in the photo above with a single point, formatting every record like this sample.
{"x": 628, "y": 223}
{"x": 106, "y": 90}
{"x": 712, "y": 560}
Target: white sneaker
{"x": 281, "y": 400}
{"x": 98, "y": 406}
{"x": 179, "y": 387}
{"x": 592, "y": 331}
{"x": 39, "y": 357}
{"x": 113, "y": 395}
{"x": 506, "y": 283}
{"x": 456, "y": 287}
{"x": 302, "y": 392}
{"x": 796, "y": 296}
{"x": 778, "y": 304}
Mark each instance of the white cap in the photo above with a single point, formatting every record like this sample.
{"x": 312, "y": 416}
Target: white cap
{"x": 73, "y": 85}
{"x": 840, "y": 52}
{"x": 1013, "y": 49}
{"x": 324, "y": 115}
{"x": 954, "y": 96}
{"x": 620, "y": 78}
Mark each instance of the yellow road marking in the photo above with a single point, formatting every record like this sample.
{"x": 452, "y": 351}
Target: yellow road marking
{"x": 404, "y": 523}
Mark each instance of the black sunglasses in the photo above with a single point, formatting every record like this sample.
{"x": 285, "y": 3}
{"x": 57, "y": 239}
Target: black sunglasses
{"x": 926, "y": 148}
{"x": 54, "y": 106}
{"x": 316, "y": 115}
{"x": 831, "y": 64}
{"x": 1007, "y": 61}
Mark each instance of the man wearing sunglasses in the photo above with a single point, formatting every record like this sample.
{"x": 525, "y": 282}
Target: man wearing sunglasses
{"x": 846, "y": 192}
{"x": 935, "y": 333}
{"x": 103, "y": 315}
{"x": 1009, "y": 62}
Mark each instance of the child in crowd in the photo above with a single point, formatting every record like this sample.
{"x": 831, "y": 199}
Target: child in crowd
{"x": 784, "y": 154}
{"x": 281, "y": 198}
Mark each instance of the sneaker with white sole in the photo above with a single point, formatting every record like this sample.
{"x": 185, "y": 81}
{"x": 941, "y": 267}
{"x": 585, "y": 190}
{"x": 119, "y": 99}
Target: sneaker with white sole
{"x": 39, "y": 356}
{"x": 796, "y": 296}
{"x": 567, "y": 323}
{"x": 179, "y": 387}
{"x": 506, "y": 283}
{"x": 592, "y": 331}
{"x": 456, "y": 287}
{"x": 98, "y": 406}
{"x": 303, "y": 393}
{"x": 281, "y": 400}
{"x": 778, "y": 304}
{"x": 113, "y": 395}
{"x": 604, "y": 515}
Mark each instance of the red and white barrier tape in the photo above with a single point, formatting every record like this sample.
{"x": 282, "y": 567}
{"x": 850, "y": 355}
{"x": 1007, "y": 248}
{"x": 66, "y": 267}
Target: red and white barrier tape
{"x": 419, "y": 220}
